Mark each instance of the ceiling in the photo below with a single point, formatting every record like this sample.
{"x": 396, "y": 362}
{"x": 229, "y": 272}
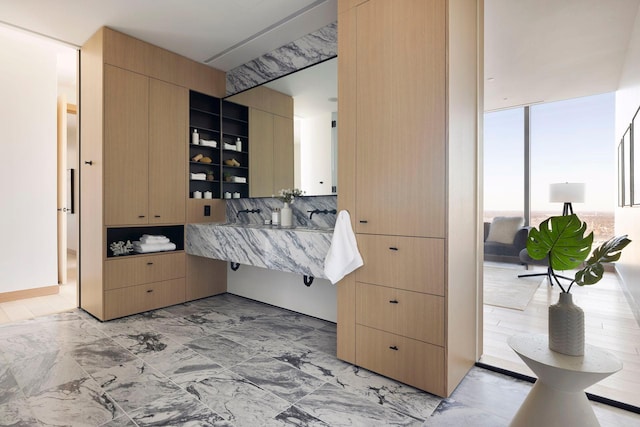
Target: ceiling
{"x": 535, "y": 50}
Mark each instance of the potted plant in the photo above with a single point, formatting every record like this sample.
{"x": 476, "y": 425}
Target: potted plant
{"x": 210, "y": 176}
{"x": 562, "y": 240}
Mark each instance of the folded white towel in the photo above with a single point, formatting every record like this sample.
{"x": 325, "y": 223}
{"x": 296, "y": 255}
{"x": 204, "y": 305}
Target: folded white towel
{"x": 241, "y": 179}
{"x": 230, "y": 146}
{"x": 343, "y": 256}
{"x": 143, "y": 248}
{"x": 209, "y": 143}
{"x": 199, "y": 176}
{"x": 146, "y": 238}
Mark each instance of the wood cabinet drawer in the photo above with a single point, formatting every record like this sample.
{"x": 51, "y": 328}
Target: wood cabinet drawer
{"x": 410, "y": 314}
{"x": 136, "y": 299}
{"x": 130, "y": 271}
{"x": 411, "y": 263}
{"x": 410, "y": 361}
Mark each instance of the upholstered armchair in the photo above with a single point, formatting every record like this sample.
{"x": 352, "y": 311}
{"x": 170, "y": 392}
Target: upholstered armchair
{"x": 504, "y": 238}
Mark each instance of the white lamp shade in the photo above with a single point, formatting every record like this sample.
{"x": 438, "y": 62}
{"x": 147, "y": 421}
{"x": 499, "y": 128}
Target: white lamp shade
{"x": 567, "y": 192}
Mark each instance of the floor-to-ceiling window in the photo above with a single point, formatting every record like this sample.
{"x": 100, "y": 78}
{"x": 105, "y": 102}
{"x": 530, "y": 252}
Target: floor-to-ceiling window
{"x": 571, "y": 141}
{"x": 568, "y": 141}
{"x": 503, "y": 154}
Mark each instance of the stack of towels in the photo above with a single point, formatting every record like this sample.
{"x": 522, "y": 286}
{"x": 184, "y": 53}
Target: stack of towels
{"x": 198, "y": 176}
{"x": 209, "y": 143}
{"x": 150, "y": 243}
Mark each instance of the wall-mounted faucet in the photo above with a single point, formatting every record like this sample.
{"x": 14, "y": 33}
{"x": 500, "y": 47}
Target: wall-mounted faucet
{"x": 323, "y": 211}
{"x": 247, "y": 211}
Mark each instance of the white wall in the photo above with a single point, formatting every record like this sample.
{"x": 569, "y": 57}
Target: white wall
{"x": 28, "y": 89}
{"x": 627, "y": 219}
{"x": 285, "y": 290}
{"x": 315, "y": 149}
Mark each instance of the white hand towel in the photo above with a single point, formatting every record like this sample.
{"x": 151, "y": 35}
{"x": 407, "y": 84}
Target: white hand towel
{"x": 198, "y": 176}
{"x": 143, "y": 248}
{"x": 146, "y": 238}
{"x": 343, "y": 256}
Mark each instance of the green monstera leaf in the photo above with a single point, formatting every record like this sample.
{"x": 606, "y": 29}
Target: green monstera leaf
{"x": 609, "y": 251}
{"x": 562, "y": 239}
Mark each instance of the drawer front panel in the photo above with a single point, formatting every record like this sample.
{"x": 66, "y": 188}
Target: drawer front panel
{"x": 410, "y": 263}
{"x": 136, "y": 299}
{"x": 412, "y": 362}
{"x": 410, "y": 314}
{"x": 131, "y": 271}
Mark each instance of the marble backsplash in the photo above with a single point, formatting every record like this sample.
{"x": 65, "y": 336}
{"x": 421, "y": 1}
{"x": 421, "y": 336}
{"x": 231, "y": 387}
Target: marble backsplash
{"x": 300, "y": 209}
{"x": 311, "y": 49}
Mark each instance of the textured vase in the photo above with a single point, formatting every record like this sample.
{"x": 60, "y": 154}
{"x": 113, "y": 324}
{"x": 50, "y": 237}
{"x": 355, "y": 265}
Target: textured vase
{"x": 286, "y": 216}
{"x": 566, "y": 326}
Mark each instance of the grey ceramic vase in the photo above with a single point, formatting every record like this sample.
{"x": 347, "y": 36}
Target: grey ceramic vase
{"x": 566, "y": 326}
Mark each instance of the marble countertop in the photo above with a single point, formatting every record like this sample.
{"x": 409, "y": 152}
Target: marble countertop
{"x": 300, "y": 250}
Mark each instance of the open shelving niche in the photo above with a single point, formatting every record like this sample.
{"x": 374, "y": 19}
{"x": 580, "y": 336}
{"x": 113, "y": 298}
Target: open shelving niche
{"x": 175, "y": 233}
{"x": 224, "y": 122}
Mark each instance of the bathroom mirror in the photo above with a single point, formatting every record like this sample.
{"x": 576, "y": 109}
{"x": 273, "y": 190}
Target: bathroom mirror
{"x": 314, "y": 91}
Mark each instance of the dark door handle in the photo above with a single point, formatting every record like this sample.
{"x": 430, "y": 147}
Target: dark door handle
{"x": 156, "y": 216}
{"x": 394, "y": 348}
{"x": 140, "y": 216}
{"x": 88, "y": 162}
{"x": 363, "y": 221}
{"x": 393, "y": 248}
{"x": 394, "y": 301}
{"x": 149, "y": 291}
{"x": 149, "y": 263}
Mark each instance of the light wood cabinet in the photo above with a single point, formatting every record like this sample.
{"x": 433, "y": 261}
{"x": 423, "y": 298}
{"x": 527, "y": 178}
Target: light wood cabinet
{"x": 143, "y": 144}
{"x": 134, "y": 143}
{"x": 168, "y": 107}
{"x": 126, "y": 147}
{"x": 407, "y": 171}
{"x": 271, "y": 134}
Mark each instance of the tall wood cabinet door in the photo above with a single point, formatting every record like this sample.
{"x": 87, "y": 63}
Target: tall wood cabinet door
{"x": 126, "y": 147}
{"x": 282, "y": 153}
{"x": 260, "y": 153}
{"x": 401, "y": 100}
{"x": 168, "y": 137}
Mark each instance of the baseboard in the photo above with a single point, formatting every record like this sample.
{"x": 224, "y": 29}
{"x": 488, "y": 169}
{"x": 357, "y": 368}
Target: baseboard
{"x": 29, "y": 293}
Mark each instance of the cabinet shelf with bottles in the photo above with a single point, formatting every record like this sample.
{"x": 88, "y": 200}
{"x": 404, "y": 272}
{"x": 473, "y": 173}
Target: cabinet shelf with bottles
{"x": 218, "y": 147}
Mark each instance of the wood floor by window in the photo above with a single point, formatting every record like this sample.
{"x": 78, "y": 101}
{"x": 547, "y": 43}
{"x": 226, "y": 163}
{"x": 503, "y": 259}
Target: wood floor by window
{"x": 609, "y": 324}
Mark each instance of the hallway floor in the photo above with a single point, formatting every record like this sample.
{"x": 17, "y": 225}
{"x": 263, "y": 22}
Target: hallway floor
{"x": 224, "y": 361}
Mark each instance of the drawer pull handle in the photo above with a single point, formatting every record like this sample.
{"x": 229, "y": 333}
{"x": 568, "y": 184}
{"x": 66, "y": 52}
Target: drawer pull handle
{"x": 394, "y": 348}
{"x": 393, "y": 248}
{"x": 393, "y": 301}
{"x": 362, "y": 221}
{"x": 140, "y": 216}
{"x": 149, "y": 263}
{"x": 88, "y": 162}
{"x": 149, "y": 291}
{"x": 156, "y": 216}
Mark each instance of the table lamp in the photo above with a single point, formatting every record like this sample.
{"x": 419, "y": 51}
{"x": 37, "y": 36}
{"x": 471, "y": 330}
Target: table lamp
{"x": 567, "y": 193}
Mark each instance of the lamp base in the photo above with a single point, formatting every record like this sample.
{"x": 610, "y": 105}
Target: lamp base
{"x": 567, "y": 208}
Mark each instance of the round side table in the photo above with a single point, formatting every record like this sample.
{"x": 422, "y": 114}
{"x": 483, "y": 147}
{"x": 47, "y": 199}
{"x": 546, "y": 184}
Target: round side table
{"x": 557, "y": 398}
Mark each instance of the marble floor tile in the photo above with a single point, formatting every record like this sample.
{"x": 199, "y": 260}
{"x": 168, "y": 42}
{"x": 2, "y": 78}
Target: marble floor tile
{"x": 100, "y": 355}
{"x": 9, "y": 389}
{"x": 45, "y": 371}
{"x": 258, "y": 339}
{"x": 279, "y": 378}
{"x": 181, "y": 364}
{"x": 323, "y": 339}
{"x": 237, "y": 400}
{"x": 287, "y": 327}
{"x": 386, "y": 392}
{"x": 185, "y": 329}
{"x": 313, "y": 362}
{"x": 294, "y": 417}
{"x": 122, "y": 421}
{"x": 80, "y": 403}
{"x": 144, "y": 343}
{"x": 183, "y": 410}
{"x": 452, "y": 413}
{"x": 338, "y": 407}
{"x": 17, "y": 413}
{"x": 135, "y": 384}
{"x": 20, "y": 346}
{"x": 221, "y": 350}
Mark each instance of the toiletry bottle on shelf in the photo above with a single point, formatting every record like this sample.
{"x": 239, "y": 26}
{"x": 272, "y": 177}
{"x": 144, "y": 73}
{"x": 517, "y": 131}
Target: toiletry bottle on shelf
{"x": 195, "y": 138}
{"x": 275, "y": 217}
{"x": 238, "y": 144}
